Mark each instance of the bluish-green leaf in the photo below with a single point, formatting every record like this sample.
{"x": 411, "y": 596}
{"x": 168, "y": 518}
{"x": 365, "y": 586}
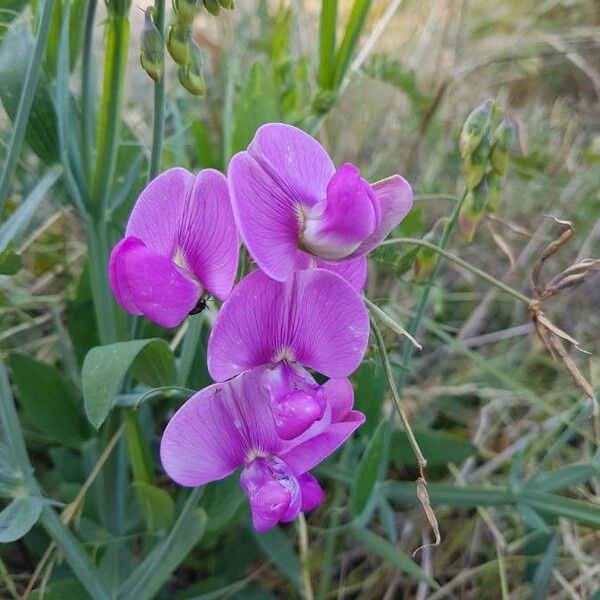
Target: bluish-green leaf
{"x": 367, "y": 472}
{"x": 156, "y": 505}
{"x": 369, "y": 390}
{"x": 19, "y": 517}
{"x": 151, "y": 361}
{"x": 50, "y": 402}
{"x": 280, "y": 552}
{"x": 10, "y": 263}
{"x": 543, "y": 571}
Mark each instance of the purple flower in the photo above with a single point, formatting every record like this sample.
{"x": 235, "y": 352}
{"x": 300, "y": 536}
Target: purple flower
{"x": 180, "y": 242}
{"x": 314, "y": 318}
{"x": 294, "y": 210}
{"x": 232, "y": 424}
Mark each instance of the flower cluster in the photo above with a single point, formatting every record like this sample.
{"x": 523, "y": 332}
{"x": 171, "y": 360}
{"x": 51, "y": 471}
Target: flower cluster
{"x": 308, "y": 227}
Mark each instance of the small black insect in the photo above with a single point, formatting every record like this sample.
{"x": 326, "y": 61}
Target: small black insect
{"x": 201, "y": 305}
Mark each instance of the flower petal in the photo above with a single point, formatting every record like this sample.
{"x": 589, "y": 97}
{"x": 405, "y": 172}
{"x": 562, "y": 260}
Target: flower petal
{"x": 311, "y": 492}
{"x": 265, "y": 215}
{"x": 218, "y": 429}
{"x": 353, "y": 270}
{"x": 340, "y": 396}
{"x": 395, "y": 197}
{"x": 157, "y": 212}
{"x": 151, "y": 283}
{"x": 207, "y": 236}
{"x": 299, "y": 164}
{"x": 315, "y": 318}
{"x": 305, "y": 456}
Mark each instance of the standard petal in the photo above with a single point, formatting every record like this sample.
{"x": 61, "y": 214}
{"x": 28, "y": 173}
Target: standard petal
{"x": 353, "y": 270}
{"x": 219, "y": 429}
{"x": 307, "y": 455}
{"x": 116, "y": 273}
{"x": 266, "y": 216}
{"x": 395, "y": 198}
{"x": 157, "y": 212}
{"x": 154, "y": 284}
{"x": 208, "y": 238}
{"x": 296, "y": 160}
{"x": 315, "y": 318}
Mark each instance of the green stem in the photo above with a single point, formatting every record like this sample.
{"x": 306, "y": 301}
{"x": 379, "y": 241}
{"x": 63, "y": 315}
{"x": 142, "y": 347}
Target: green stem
{"x": 115, "y": 64}
{"x": 87, "y": 83}
{"x": 25, "y": 102}
{"x": 158, "y": 127}
{"x": 465, "y": 265}
{"x": 327, "y": 32}
{"x": 98, "y": 271}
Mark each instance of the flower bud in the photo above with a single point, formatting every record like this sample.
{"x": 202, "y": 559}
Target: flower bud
{"x": 476, "y": 163}
{"x": 475, "y": 128}
{"x": 190, "y": 75}
{"x": 178, "y": 43}
{"x": 502, "y": 141}
{"x": 212, "y": 6}
{"x": 494, "y": 191}
{"x": 426, "y": 259}
{"x": 227, "y": 4}
{"x": 151, "y": 48}
{"x": 186, "y": 10}
{"x": 473, "y": 209}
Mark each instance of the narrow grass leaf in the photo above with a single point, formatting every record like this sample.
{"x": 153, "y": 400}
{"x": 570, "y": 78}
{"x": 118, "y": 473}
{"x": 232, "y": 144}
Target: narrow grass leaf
{"x": 543, "y": 571}
{"x": 279, "y": 551}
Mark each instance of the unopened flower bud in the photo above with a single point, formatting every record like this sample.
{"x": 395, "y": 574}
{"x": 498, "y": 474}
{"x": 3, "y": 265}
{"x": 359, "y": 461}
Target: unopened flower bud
{"x": 476, "y": 163}
{"x": 501, "y": 143}
{"x": 151, "y": 48}
{"x": 212, "y": 6}
{"x": 476, "y": 127}
{"x": 190, "y": 75}
{"x": 473, "y": 209}
{"x": 426, "y": 259}
{"x": 323, "y": 101}
{"x": 494, "y": 191}
{"x": 186, "y": 10}
{"x": 178, "y": 43}
{"x": 227, "y": 4}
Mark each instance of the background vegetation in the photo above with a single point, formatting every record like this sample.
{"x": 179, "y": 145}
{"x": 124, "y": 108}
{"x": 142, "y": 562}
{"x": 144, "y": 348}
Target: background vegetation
{"x": 511, "y": 435}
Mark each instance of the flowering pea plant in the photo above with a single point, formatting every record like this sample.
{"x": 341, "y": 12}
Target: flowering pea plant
{"x": 308, "y": 227}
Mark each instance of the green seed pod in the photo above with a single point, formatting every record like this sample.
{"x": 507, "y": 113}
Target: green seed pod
{"x": 178, "y": 43}
{"x": 227, "y": 4}
{"x": 151, "y": 48}
{"x": 476, "y": 164}
{"x": 190, "y": 75}
{"x": 212, "y": 6}
{"x": 477, "y": 126}
{"x": 502, "y": 142}
{"x": 473, "y": 210}
{"x": 494, "y": 191}
{"x": 186, "y": 10}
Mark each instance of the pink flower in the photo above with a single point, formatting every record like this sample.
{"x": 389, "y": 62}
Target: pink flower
{"x": 232, "y": 424}
{"x": 180, "y": 242}
{"x": 294, "y": 210}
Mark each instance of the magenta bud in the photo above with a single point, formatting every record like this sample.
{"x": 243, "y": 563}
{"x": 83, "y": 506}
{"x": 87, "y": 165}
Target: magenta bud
{"x": 295, "y": 412}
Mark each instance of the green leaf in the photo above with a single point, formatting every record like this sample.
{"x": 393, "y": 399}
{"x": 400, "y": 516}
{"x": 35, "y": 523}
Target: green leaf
{"x": 61, "y": 589}
{"x": 369, "y": 390}
{"x": 439, "y": 447}
{"x": 15, "y": 54}
{"x": 391, "y": 554}
{"x": 50, "y": 402}
{"x": 10, "y": 477}
{"x": 158, "y": 507}
{"x": 19, "y": 517}
{"x": 10, "y": 263}
{"x": 226, "y": 499}
{"x": 279, "y": 550}
{"x": 104, "y": 368}
{"x": 563, "y": 478}
{"x": 366, "y": 474}
{"x": 544, "y": 569}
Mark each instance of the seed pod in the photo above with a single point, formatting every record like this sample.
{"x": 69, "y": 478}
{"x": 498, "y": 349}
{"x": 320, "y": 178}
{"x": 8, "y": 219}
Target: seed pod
{"x": 178, "y": 43}
{"x": 151, "y": 48}
{"x": 473, "y": 209}
{"x": 501, "y": 143}
{"x": 476, "y": 127}
{"x": 212, "y": 6}
{"x": 186, "y": 10}
{"x": 227, "y": 4}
